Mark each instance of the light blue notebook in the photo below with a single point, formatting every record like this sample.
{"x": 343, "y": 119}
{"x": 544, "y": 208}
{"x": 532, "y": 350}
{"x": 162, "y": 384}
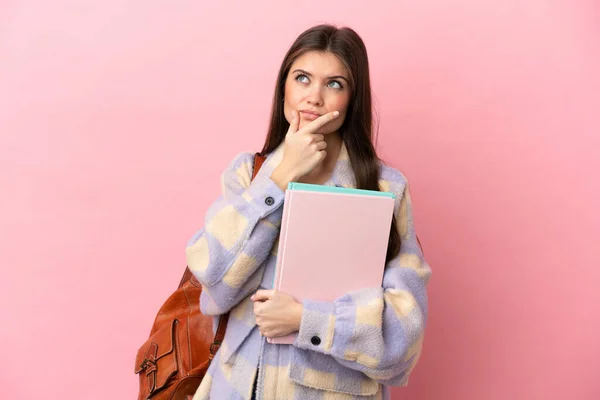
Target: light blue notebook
{"x": 334, "y": 189}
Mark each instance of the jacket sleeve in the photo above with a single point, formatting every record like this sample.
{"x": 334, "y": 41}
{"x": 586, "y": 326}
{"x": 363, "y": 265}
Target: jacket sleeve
{"x": 239, "y": 231}
{"x": 377, "y": 331}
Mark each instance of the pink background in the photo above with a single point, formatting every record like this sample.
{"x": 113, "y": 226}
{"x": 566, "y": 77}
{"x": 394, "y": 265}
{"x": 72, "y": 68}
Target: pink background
{"x": 116, "y": 119}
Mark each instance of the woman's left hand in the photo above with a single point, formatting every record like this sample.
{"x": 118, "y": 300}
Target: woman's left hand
{"x": 277, "y": 313}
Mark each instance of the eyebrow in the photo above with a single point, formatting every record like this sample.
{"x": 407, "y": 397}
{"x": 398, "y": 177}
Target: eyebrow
{"x": 329, "y": 77}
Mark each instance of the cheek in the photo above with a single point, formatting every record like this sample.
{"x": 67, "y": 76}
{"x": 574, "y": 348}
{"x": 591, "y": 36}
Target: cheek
{"x": 290, "y": 101}
{"x": 339, "y": 103}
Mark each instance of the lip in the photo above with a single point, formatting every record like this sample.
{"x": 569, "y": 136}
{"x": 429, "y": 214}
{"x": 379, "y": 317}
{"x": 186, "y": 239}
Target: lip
{"x": 310, "y": 114}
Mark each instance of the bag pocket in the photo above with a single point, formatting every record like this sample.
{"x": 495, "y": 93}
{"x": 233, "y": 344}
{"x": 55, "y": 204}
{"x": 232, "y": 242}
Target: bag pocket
{"x": 156, "y": 360}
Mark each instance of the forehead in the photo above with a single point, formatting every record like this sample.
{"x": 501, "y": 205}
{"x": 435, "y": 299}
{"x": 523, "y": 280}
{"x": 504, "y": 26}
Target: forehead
{"x": 321, "y": 64}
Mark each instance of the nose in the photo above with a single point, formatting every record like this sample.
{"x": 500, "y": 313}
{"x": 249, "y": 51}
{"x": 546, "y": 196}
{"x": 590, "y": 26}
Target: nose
{"x": 315, "y": 97}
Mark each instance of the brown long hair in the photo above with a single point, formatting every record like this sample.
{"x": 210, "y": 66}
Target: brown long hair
{"x": 357, "y": 129}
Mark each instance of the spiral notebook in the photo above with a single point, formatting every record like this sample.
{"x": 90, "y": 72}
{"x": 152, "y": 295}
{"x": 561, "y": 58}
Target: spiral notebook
{"x": 333, "y": 241}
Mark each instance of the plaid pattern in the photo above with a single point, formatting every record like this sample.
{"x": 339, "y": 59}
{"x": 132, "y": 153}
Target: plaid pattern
{"x": 370, "y": 339}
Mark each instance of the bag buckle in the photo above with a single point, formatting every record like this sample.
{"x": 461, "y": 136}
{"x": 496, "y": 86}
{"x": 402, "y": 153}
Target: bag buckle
{"x": 214, "y": 347}
{"x": 148, "y": 365}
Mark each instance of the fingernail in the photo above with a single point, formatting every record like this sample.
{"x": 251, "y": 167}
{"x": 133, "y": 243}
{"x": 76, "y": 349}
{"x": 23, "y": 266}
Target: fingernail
{"x": 336, "y": 113}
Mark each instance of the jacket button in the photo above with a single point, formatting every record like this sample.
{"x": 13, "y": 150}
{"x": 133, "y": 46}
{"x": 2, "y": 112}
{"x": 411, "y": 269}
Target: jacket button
{"x": 269, "y": 201}
{"x": 315, "y": 340}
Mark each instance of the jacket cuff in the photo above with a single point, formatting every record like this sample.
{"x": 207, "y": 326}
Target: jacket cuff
{"x": 317, "y": 326}
{"x": 265, "y": 197}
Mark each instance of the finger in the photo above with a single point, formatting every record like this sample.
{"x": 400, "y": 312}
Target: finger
{"x": 295, "y": 123}
{"x": 321, "y": 121}
{"x": 317, "y": 137}
{"x": 263, "y": 295}
{"x": 322, "y": 154}
{"x": 320, "y": 146}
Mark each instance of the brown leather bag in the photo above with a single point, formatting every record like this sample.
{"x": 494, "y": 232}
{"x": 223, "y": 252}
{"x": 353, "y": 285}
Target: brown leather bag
{"x": 174, "y": 359}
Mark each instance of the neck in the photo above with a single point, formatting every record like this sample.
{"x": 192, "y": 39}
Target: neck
{"x": 334, "y": 146}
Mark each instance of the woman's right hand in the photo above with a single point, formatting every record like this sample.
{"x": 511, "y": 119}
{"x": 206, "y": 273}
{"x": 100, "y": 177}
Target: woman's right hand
{"x": 303, "y": 149}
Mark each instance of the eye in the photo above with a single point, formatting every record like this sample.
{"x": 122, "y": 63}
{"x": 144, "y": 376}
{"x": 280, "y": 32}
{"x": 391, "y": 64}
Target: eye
{"x": 302, "y": 78}
{"x": 335, "y": 85}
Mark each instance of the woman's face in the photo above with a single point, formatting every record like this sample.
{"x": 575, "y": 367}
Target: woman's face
{"x": 318, "y": 83}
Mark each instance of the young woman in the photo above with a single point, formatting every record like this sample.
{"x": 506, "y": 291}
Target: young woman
{"x": 365, "y": 341}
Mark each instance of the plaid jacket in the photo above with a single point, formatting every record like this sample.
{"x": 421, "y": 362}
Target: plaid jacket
{"x": 371, "y": 339}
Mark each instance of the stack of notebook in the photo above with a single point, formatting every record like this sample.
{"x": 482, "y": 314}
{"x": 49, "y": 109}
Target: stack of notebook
{"x": 333, "y": 241}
